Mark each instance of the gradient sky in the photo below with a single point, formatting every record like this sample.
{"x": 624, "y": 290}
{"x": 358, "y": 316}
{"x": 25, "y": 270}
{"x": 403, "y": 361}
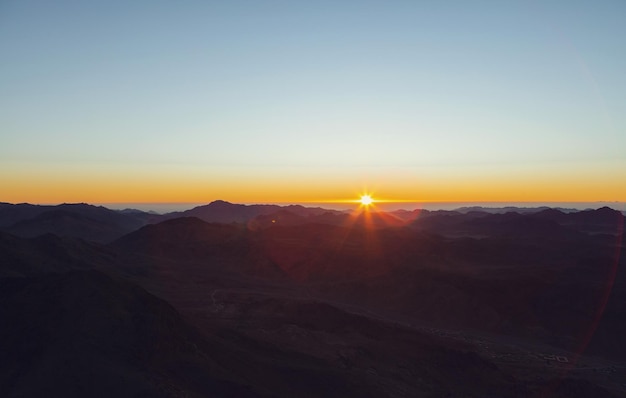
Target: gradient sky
{"x": 293, "y": 101}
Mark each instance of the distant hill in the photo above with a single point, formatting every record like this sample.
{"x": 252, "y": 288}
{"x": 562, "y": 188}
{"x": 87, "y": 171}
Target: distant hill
{"x": 225, "y": 212}
{"x": 544, "y": 223}
{"x": 602, "y": 220}
{"x": 99, "y": 224}
{"x": 510, "y": 209}
{"x": 93, "y": 223}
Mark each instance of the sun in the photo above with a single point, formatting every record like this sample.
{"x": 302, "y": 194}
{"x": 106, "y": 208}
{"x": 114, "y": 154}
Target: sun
{"x": 366, "y": 200}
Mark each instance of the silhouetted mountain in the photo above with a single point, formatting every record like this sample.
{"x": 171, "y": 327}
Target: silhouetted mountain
{"x": 89, "y": 334}
{"x": 519, "y": 226}
{"x": 12, "y": 213}
{"x": 147, "y": 215}
{"x": 225, "y": 212}
{"x": 601, "y": 221}
{"x": 443, "y": 221}
{"x": 406, "y": 214}
{"x": 508, "y": 209}
{"x": 83, "y": 221}
{"x": 547, "y": 224}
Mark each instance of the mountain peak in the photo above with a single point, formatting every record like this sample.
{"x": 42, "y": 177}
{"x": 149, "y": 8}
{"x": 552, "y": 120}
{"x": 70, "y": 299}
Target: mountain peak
{"x": 219, "y": 202}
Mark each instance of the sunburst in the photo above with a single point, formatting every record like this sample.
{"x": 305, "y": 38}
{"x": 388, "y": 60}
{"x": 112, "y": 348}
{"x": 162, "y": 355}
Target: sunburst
{"x": 366, "y": 200}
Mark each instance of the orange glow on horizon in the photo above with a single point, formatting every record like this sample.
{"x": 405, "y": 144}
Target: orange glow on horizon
{"x": 166, "y": 185}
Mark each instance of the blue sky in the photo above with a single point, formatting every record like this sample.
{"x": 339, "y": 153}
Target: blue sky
{"x": 361, "y": 90}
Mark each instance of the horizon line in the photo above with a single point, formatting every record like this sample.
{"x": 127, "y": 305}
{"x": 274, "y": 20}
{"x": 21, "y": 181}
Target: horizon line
{"x": 170, "y": 207}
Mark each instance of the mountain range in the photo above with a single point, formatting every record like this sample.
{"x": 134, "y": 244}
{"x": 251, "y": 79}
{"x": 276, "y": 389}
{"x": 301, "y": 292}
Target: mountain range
{"x": 280, "y": 301}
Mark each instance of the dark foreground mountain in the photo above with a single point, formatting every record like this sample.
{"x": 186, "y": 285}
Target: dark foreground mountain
{"x": 524, "y": 276}
{"x": 334, "y": 304}
{"x": 84, "y": 333}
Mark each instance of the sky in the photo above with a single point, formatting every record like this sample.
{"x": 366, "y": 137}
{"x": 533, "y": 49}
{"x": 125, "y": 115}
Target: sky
{"x": 312, "y": 101}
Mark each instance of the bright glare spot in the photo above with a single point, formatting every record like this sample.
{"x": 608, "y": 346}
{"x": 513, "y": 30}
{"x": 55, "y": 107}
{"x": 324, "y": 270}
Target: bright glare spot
{"x": 366, "y": 200}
